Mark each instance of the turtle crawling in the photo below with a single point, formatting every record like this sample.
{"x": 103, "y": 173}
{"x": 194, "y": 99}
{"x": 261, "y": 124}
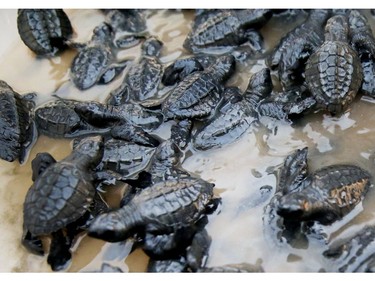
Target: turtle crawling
{"x": 334, "y": 72}
{"x": 17, "y": 129}
{"x": 61, "y": 196}
{"x": 163, "y": 207}
{"x": 95, "y": 61}
{"x": 324, "y": 196}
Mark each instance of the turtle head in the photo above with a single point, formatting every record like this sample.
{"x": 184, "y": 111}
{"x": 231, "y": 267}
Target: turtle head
{"x": 90, "y": 150}
{"x": 337, "y": 29}
{"x": 294, "y": 206}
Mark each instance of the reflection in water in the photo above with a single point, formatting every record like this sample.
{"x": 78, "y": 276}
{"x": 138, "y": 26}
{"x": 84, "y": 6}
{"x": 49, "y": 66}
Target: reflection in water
{"x": 243, "y": 172}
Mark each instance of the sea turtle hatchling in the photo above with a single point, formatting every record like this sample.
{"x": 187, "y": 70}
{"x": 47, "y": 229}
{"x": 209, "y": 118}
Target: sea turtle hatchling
{"x": 334, "y": 72}
{"x": 62, "y": 194}
{"x": 142, "y": 81}
{"x": 17, "y": 129}
{"x": 326, "y": 195}
{"x": 228, "y": 29}
{"x": 58, "y": 119}
{"x": 164, "y": 207}
{"x": 44, "y": 31}
{"x": 95, "y": 61}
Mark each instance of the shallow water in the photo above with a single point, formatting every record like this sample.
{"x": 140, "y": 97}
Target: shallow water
{"x": 239, "y": 170}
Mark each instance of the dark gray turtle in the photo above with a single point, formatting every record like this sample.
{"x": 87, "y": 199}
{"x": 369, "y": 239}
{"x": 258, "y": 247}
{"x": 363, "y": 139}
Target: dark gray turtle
{"x": 353, "y": 254}
{"x": 363, "y": 41}
{"x": 180, "y": 68}
{"x": 198, "y": 93}
{"x": 105, "y": 115}
{"x": 95, "y": 61}
{"x": 188, "y": 258}
{"x": 325, "y": 196}
{"x": 60, "y": 197}
{"x": 58, "y": 119}
{"x": 44, "y": 31}
{"x": 141, "y": 82}
{"x": 165, "y": 163}
{"x": 125, "y": 158}
{"x": 235, "y": 116}
{"x": 291, "y": 54}
{"x": 17, "y": 129}
{"x": 228, "y": 28}
{"x": 334, "y": 72}
{"x": 188, "y": 199}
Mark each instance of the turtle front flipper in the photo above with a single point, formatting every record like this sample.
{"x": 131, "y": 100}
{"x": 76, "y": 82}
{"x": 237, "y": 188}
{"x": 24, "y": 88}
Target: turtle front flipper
{"x": 40, "y": 163}
{"x": 112, "y": 72}
{"x": 126, "y": 131}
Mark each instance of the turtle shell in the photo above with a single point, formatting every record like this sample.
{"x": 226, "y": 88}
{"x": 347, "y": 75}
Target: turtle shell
{"x": 89, "y": 65}
{"x": 57, "y": 118}
{"x": 326, "y": 195}
{"x": 16, "y": 128}
{"x": 334, "y": 75}
{"x": 59, "y": 196}
{"x": 144, "y": 78}
{"x": 44, "y": 31}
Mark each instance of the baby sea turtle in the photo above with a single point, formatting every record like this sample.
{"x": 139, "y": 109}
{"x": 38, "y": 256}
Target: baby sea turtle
{"x": 17, "y": 129}
{"x": 141, "y": 82}
{"x": 185, "y": 99}
{"x": 187, "y": 200}
{"x": 333, "y": 72}
{"x": 290, "y": 55}
{"x": 44, "y": 31}
{"x": 95, "y": 61}
{"x": 61, "y": 195}
{"x": 105, "y": 115}
{"x": 125, "y": 158}
{"x": 235, "y": 116}
{"x": 188, "y": 258}
{"x": 326, "y": 195}
{"x": 228, "y": 28}
{"x": 58, "y": 119}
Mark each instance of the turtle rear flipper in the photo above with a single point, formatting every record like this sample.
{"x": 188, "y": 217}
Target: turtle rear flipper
{"x": 40, "y": 163}
{"x": 32, "y": 243}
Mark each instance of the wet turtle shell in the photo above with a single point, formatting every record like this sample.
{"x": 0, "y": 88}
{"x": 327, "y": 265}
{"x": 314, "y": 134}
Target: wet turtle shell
{"x": 64, "y": 191}
{"x": 59, "y": 120}
{"x": 334, "y": 72}
{"x": 225, "y": 28}
{"x": 197, "y": 86}
{"x": 326, "y": 195}
{"x": 44, "y": 31}
{"x": 161, "y": 208}
{"x": 16, "y": 124}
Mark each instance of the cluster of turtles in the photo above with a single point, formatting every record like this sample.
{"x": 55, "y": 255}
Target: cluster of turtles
{"x": 321, "y": 65}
